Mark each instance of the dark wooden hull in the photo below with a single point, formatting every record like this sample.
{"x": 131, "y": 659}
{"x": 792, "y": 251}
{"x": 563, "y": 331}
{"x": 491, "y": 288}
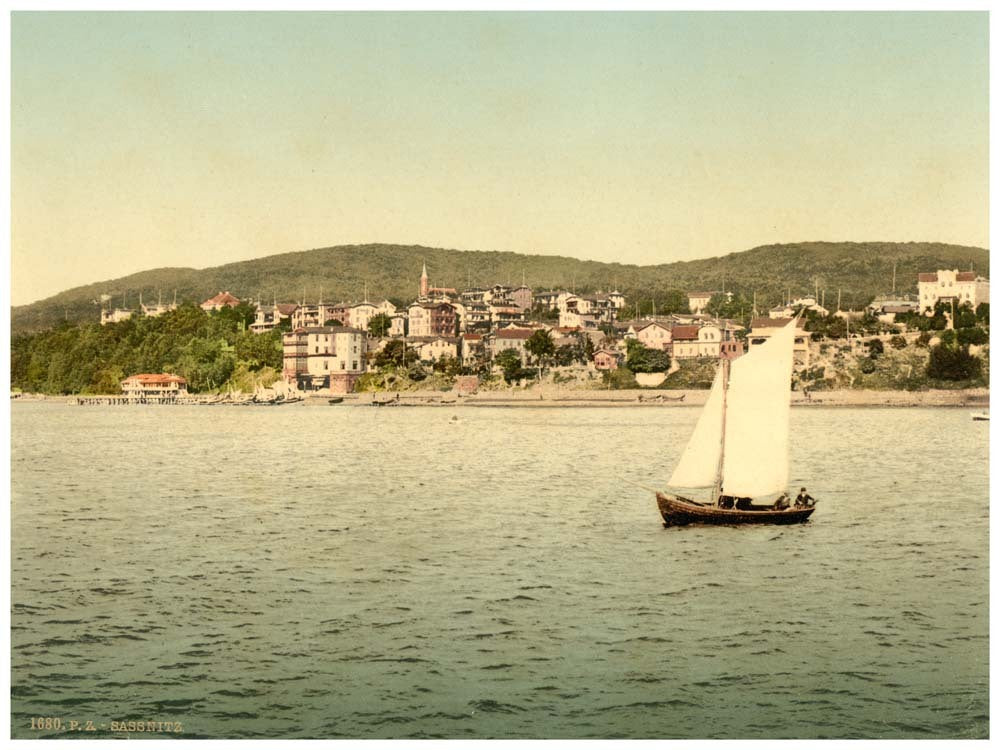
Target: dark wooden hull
{"x": 678, "y": 511}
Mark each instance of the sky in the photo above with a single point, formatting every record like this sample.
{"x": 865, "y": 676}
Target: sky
{"x": 143, "y": 140}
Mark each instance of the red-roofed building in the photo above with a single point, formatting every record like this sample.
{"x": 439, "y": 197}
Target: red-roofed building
{"x": 220, "y": 300}
{"x": 958, "y": 287}
{"x": 149, "y": 387}
{"x": 511, "y": 338}
{"x": 607, "y": 359}
{"x": 685, "y": 342}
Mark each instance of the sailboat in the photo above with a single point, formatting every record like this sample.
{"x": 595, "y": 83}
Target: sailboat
{"x": 740, "y": 445}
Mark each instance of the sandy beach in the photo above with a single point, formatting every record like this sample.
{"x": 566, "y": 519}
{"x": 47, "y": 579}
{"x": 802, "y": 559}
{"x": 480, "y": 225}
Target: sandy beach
{"x": 978, "y": 397}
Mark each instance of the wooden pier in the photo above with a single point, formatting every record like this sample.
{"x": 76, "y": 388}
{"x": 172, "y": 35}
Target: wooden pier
{"x": 127, "y": 401}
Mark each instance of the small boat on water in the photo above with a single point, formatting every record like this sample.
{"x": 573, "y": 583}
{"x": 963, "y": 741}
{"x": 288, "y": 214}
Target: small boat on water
{"x": 335, "y": 400}
{"x": 740, "y": 445}
{"x": 981, "y": 416}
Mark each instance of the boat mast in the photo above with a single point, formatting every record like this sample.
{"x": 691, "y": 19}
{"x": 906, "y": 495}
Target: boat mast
{"x": 717, "y": 490}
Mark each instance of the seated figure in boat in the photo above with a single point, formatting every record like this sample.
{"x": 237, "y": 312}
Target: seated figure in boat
{"x": 744, "y": 503}
{"x": 726, "y": 501}
{"x": 782, "y": 502}
{"x": 804, "y": 499}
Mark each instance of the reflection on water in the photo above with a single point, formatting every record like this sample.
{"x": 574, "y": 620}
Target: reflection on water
{"x": 319, "y": 571}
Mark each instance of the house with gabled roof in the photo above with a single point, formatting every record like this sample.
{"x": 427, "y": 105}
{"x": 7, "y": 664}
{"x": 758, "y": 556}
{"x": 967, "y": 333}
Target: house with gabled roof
{"x": 652, "y": 334}
{"x": 607, "y": 359}
{"x": 220, "y": 300}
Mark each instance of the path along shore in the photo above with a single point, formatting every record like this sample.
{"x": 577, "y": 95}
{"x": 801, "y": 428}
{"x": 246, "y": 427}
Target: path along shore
{"x": 976, "y": 397}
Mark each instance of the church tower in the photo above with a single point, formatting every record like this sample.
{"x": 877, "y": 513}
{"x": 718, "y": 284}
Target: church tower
{"x": 424, "y": 284}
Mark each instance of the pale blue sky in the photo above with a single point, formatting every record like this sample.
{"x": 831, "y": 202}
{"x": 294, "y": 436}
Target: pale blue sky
{"x": 148, "y": 139}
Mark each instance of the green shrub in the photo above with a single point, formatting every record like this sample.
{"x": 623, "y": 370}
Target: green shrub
{"x": 622, "y": 378}
{"x": 867, "y": 365}
{"x": 898, "y": 342}
{"x": 953, "y": 363}
{"x": 977, "y": 336}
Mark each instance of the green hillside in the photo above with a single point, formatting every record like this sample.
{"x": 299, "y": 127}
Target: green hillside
{"x": 859, "y": 270}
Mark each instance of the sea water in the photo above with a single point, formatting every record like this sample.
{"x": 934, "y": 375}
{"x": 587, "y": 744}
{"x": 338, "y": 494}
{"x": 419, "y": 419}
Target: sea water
{"x": 458, "y": 572}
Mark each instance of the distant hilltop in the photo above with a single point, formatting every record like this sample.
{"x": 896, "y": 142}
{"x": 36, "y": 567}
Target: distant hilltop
{"x": 858, "y": 270}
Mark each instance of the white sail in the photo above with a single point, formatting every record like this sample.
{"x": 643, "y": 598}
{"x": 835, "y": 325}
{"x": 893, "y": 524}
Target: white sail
{"x": 758, "y": 407}
{"x": 700, "y": 461}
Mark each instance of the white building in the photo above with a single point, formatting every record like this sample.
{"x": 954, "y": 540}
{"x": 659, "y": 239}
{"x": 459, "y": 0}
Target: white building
{"x": 114, "y": 316}
{"x": 386, "y": 308}
{"x": 433, "y": 348}
{"x": 959, "y": 287}
{"x": 361, "y": 314}
{"x": 397, "y": 324}
{"x": 698, "y": 301}
{"x": 651, "y": 334}
{"x": 324, "y": 356}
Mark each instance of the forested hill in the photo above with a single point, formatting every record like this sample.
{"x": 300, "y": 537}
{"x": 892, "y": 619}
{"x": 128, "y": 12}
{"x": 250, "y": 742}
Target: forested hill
{"x": 859, "y": 270}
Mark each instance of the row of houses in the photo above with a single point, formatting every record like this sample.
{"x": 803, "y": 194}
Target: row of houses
{"x": 443, "y": 311}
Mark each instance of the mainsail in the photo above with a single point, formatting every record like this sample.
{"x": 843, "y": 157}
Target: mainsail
{"x": 758, "y": 406}
{"x": 753, "y": 414}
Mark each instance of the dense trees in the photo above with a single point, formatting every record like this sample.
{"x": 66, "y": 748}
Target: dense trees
{"x": 509, "y": 361}
{"x": 640, "y": 358}
{"x": 393, "y": 355}
{"x": 953, "y": 362}
{"x": 733, "y": 306}
{"x": 379, "y": 325}
{"x": 201, "y": 347}
{"x": 541, "y": 347}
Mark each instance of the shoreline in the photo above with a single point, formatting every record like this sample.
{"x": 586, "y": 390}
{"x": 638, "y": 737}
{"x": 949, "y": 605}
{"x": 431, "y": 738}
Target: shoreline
{"x": 557, "y": 398}
{"x": 976, "y": 397}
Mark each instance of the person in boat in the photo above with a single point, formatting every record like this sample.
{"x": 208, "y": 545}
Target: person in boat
{"x": 782, "y": 502}
{"x": 725, "y": 501}
{"x": 743, "y": 503}
{"x": 804, "y": 499}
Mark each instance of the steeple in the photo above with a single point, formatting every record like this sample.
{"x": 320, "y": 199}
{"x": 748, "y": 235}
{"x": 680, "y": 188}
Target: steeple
{"x": 424, "y": 284}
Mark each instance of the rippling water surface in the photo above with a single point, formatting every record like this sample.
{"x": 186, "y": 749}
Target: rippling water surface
{"x": 335, "y": 571}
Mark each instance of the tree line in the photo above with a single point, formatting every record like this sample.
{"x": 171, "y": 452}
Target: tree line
{"x": 204, "y": 348}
